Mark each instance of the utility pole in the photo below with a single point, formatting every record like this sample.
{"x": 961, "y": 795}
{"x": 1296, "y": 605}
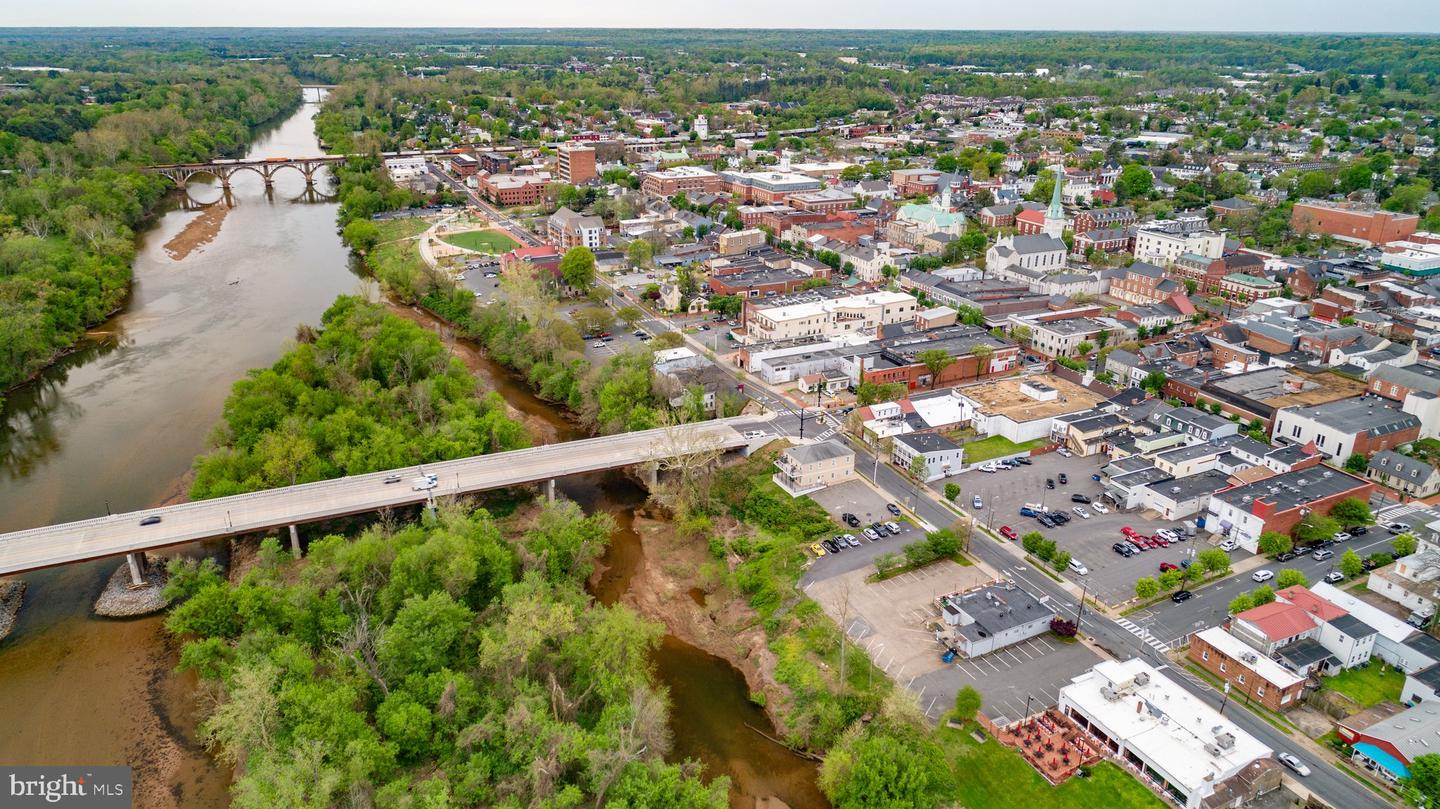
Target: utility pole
{"x": 1080, "y": 609}
{"x": 1224, "y": 700}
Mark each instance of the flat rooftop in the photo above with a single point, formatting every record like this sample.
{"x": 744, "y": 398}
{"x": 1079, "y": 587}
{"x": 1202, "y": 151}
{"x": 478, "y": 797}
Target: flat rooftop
{"x": 1289, "y": 387}
{"x": 1292, "y": 489}
{"x": 1163, "y": 722}
{"x": 1003, "y": 397}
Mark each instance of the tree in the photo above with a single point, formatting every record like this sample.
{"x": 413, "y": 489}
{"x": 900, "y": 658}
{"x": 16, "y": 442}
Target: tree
{"x": 1356, "y": 463}
{"x": 1352, "y": 511}
{"x": 1060, "y": 561}
{"x": 630, "y": 316}
{"x": 1154, "y": 382}
{"x": 1275, "y": 543}
{"x": 1314, "y": 184}
{"x": 919, "y": 469}
{"x": 1262, "y": 595}
{"x": 1135, "y": 181}
{"x": 362, "y": 235}
{"x": 1171, "y": 579}
{"x": 1290, "y": 577}
{"x": 935, "y": 360}
{"x": 1146, "y": 587}
{"x": 1213, "y": 560}
{"x": 1084, "y": 348}
{"x": 967, "y": 704}
{"x": 886, "y": 562}
{"x": 1315, "y": 527}
{"x": 1422, "y": 788}
{"x": 1351, "y": 564}
{"x": 884, "y": 768}
{"x": 952, "y": 491}
{"x": 1404, "y": 545}
{"x": 983, "y": 354}
{"x": 577, "y": 267}
{"x": 1240, "y": 603}
{"x": 640, "y": 252}
{"x": 1031, "y": 541}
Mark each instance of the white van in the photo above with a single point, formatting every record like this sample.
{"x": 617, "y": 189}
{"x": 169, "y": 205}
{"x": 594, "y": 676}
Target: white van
{"x": 424, "y": 482}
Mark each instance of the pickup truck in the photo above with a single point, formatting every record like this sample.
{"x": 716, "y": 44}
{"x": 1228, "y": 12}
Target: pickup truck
{"x": 424, "y": 482}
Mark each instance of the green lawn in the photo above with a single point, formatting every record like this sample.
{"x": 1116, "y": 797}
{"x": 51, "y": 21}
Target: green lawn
{"x": 996, "y": 446}
{"x": 991, "y": 775}
{"x": 484, "y": 241}
{"x": 1369, "y": 685}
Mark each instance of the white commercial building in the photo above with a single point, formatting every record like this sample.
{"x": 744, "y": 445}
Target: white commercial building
{"x": 829, "y": 317}
{"x": 942, "y": 456}
{"x": 1159, "y": 246}
{"x": 1166, "y": 734}
{"x": 402, "y": 169}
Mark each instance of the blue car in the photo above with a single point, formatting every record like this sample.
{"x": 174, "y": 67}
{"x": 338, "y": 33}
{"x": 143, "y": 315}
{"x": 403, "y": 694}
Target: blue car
{"x": 1026, "y": 511}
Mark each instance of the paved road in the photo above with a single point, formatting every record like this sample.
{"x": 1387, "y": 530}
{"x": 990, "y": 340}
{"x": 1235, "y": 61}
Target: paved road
{"x": 1210, "y": 605}
{"x": 1333, "y": 786}
{"x": 259, "y": 511}
{"x": 514, "y": 228}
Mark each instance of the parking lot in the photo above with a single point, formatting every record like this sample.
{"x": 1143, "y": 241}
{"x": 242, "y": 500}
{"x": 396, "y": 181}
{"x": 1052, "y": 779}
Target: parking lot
{"x": 856, "y": 497}
{"x": 894, "y": 620}
{"x": 1111, "y": 577}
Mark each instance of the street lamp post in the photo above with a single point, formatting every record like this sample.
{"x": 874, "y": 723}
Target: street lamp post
{"x": 1225, "y": 700}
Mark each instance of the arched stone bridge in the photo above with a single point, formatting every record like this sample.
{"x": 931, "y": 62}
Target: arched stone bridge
{"x": 223, "y": 170}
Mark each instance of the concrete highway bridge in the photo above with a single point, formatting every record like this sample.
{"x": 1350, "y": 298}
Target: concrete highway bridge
{"x": 123, "y": 534}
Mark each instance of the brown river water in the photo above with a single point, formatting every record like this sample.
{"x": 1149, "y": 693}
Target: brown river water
{"x": 116, "y": 425}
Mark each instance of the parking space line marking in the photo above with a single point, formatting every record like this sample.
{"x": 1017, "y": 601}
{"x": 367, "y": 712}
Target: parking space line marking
{"x": 991, "y": 664}
{"x": 1012, "y": 654}
{"x": 931, "y": 706}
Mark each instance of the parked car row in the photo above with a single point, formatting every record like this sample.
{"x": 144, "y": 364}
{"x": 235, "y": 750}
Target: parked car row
{"x": 1002, "y": 465}
{"x": 854, "y": 522}
{"x": 875, "y": 532}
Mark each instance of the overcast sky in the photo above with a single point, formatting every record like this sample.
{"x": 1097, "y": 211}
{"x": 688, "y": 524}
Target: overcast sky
{"x": 1104, "y": 15}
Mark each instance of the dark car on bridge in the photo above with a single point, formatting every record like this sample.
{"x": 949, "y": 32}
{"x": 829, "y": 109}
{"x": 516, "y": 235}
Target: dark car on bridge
{"x": 153, "y": 519}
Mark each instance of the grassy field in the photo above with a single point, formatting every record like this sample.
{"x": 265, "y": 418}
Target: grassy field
{"x": 989, "y": 775}
{"x": 1368, "y": 685}
{"x": 484, "y": 241}
{"x": 396, "y": 260}
{"x": 392, "y": 229}
{"x": 996, "y": 446}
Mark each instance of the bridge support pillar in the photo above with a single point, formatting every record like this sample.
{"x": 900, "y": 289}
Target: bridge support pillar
{"x": 136, "y": 561}
{"x": 550, "y": 490}
{"x": 650, "y": 474}
{"x": 295, "y": 541}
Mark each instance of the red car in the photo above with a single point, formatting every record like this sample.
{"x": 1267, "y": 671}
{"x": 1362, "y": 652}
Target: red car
{"x": 1160, "y": 541}
{"x": 1164, "y": 566}
{"x": 1128, "y": 532}
{"x": 1008, "y": 532}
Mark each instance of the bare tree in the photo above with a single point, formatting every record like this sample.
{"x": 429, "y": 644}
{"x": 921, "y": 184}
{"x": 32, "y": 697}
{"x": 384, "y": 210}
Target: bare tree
{"x": 689, "y": 452}
{"x": 361, "y": 639}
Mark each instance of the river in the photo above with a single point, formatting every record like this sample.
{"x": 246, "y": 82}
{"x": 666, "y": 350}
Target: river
{"x": 116, "y": 425}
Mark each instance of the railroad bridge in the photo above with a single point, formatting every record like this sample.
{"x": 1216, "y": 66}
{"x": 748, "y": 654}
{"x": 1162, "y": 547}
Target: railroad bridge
{"x": 223, "y": 170}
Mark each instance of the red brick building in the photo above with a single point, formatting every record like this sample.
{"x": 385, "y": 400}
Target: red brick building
{"x": 1104, "y": 219}
{"x": 513, "y": 189}
{"x": 576, "y": 163}
{"x": 1249, "y": 673}
{"x": 687, "y": 179}
{"x": 1353, "y": 223}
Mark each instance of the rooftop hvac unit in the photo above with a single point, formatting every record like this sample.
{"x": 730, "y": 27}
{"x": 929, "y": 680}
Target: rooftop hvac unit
{"x": 1142, "y": 678}
{"x": 1214, "y": 750}
{"x": 1226, "y": 741}
{"x": 1249, "y": 657}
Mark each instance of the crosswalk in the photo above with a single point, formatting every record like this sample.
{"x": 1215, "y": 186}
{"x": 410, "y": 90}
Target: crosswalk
{"x": 1143, "y": 634}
